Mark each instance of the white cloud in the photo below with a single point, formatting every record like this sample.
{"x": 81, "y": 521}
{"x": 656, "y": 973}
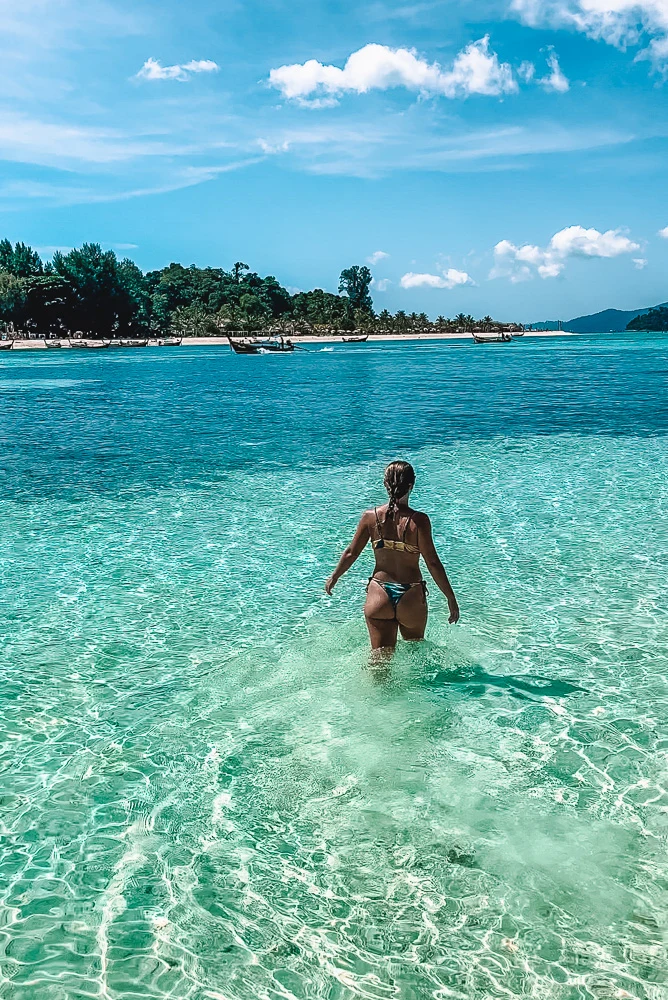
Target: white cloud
{"x": 521, "y": 263}
{"x": 556, "y": 81}
{"x": 617, "y": 22}
{"x": 447, "y": 279}
{"x": 475, "y": 70}
{"x": 640, "y": 263}
{"x": 153, "y": 70}
{"x": 526, "y": 71}
{"x": 663, "y": 233}
{"x": 376, "y": 257}
{"x": 383, "y": 284}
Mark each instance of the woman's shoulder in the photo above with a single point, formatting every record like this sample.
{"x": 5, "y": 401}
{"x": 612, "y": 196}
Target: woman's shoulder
{"x": 420, "y": 517}
{"x": 378, "y": 509}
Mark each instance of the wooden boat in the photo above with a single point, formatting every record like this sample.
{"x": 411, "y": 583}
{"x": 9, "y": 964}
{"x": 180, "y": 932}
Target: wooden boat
{"x": 6, "y": 345}
{"x": 90, "y": 345}
{"x": 171, "y": 342}
{"x": 362, "y": 339}
{"x": 52, "y": 344}
{"x": 134, "y": 343}
{"x": 261, "y": 346}
{"x": 492, "y": 338}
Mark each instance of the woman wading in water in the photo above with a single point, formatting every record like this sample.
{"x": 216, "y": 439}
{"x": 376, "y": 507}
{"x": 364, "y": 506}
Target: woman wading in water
{"x": 396, "y": 594}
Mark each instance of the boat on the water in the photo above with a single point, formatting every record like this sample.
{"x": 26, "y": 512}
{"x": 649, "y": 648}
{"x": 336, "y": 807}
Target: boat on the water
{"x": 6, "y": 345}
{"x": 91, "y": 345}
{"x": 279, "y": 346}
{"x": 492, "y": 338}
{"x": 134, "y": 343}
{"x": 52, "y": 344}
{"x": 356, "y": 340}
{"x": 171, "y": 342}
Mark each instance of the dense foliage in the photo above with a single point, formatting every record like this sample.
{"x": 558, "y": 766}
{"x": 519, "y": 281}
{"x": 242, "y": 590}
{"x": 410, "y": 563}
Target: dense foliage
{"x": 654, "y": 319}
{"x": 90, "y": 291}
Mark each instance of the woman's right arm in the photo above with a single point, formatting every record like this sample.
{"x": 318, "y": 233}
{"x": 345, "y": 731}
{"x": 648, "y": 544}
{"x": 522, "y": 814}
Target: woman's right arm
{"x": 435, "y": 566}
{"x": 350, "y": 553}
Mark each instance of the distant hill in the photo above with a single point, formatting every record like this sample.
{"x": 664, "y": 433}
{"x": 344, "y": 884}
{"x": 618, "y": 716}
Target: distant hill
{"x": 600, "y": 322}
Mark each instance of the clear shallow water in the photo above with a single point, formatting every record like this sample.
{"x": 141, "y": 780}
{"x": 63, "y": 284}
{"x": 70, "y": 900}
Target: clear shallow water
{"x": 205, "y": 792}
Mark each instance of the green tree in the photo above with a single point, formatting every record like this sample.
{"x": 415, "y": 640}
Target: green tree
{"x": 385, "y": 320}
{"x": 653, "y": 319}
{"x": 253, "y": 311}
{"x": 192, "y": 321}
{"x": 355, "y": 282}
{"x": 238, "y": 270}
{"x": 12, "y": 300}
{"x": 134, "y": 301}
{"x": 100, "y": 301}
{"x": 48, "y": 304}
{"x": 20, "y": 260}
{"x": 170, "y": 288}
{"x": 401, "y": 320}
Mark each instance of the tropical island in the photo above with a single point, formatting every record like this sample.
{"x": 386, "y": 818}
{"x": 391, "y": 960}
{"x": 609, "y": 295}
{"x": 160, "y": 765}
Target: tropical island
{"x": 653, "y": 320}
{"x": 89, "y": 292}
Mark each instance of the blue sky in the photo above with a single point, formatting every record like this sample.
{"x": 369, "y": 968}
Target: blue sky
{"x": 488, "y": 156}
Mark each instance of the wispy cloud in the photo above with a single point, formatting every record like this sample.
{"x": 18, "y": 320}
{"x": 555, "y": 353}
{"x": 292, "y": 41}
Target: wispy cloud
{"x": 555, "y": 81}
{"x": 618, "y": 22}
{"x": 475, "y": 70}
{"x": 450, "y": 278}
{"x": 416, "y": 140}
{"x": 376, "y": 257}
{"x": 26, "y": 139}
{"x": 153, "y": 70}
{"x": 520, "y": 263}
{"x": 640, "y": 263}
{"x": 12, "y": 193}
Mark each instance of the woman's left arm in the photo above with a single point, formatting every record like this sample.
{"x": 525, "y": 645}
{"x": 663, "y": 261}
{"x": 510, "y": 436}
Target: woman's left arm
{"x": 350, "y": 553}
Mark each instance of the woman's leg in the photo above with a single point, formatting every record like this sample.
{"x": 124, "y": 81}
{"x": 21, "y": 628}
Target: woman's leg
{"x": 380, "y": 619}
{"x": 412, "y": 614}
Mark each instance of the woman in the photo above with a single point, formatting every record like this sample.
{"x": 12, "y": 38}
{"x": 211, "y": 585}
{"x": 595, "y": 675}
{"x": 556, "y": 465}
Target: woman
{"x": 396, "y": 594}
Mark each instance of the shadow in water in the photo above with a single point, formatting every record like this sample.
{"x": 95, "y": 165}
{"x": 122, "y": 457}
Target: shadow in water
{"x": 476, "y": 682}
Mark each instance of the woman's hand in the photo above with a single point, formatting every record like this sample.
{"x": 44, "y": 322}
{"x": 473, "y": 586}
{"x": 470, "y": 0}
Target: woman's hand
{"x": 454, "y": 612}
{"x": 330, "y": 583}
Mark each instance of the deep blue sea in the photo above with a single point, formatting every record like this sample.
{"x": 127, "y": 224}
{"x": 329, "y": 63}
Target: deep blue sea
{"x": 208, "y": 793}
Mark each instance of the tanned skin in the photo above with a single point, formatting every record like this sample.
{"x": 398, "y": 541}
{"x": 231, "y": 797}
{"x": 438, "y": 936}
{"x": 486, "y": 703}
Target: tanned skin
{"x": 396, "y": 567}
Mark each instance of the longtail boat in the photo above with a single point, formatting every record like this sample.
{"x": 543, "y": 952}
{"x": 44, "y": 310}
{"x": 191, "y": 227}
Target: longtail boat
{"x": 492, "y": 338}
{"x": 6, "y": 345}
{"x": 261, "y": 346}
{"x": 91, "y": 345}
{"x": 356, "y": 340}
{"x": 171, "y": 342}
{"x": 52, "y": 344}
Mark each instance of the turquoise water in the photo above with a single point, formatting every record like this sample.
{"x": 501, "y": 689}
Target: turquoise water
{"x": 207, "y": 793}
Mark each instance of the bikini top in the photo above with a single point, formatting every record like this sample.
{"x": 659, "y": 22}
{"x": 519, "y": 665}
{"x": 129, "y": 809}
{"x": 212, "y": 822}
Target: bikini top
{"x": 396, "y": 544}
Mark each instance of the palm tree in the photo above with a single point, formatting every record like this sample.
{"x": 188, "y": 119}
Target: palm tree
{"x": 460, "y": 320}
{"x": 384, "y": 320}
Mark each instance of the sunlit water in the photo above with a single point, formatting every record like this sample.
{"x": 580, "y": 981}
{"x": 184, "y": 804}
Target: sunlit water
{"x": 207, "y": 793}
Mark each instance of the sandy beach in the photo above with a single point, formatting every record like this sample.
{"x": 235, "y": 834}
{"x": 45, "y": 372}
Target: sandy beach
{"x": 22, "y": 345}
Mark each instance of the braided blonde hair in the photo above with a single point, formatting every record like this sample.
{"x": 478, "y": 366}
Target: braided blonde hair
{"x": 399, "y": 479}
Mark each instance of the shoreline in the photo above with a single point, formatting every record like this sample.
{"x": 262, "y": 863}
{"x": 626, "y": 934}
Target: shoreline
{"x": 31, "y": 345}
